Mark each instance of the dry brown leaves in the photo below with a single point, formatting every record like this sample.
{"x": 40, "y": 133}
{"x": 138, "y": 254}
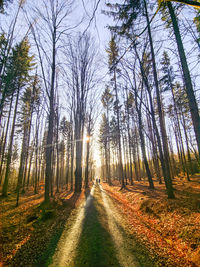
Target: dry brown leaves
{"x": 16, "y": 231}
{"x": 171, "y": 228}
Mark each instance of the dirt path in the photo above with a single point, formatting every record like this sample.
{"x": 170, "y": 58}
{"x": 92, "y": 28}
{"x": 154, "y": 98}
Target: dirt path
{"x": 95, "y": 236}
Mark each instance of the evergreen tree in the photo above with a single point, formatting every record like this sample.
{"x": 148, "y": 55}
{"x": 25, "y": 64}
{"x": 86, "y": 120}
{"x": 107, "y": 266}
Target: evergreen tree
{"x": 17, "y": 77}
{"x": 112, "y": 60}
{"x": 30, "y": 102}
{"x": 103, "y": 140}
{"x": 107, "y": 100}
{"x": 186, "y": 76}
{"x": 127, "y": 15}
{"x": 3, "y": 4}
{"x": 167, "y": 83}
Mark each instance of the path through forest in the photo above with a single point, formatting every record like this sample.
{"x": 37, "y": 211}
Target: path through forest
{"x": 96, "y": 236}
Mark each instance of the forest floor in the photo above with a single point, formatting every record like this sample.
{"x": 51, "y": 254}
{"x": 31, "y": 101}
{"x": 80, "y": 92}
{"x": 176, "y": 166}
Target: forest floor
{"x": 98, "y": 237}
{"x": 84, "y": 230}
{"x": 104, "y": 227}
{"x": 169, "y": 228}
{"x": 29, "y": 233}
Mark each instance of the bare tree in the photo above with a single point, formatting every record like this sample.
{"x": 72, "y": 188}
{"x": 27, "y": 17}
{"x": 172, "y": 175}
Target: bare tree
{"x": 82, "y": 76}
{"x": 54, "y": 24}
{"x": 91, "y": 119}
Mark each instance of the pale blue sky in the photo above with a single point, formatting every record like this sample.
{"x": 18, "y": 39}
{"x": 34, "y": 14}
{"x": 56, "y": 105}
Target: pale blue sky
{"x": 101, "y": 34}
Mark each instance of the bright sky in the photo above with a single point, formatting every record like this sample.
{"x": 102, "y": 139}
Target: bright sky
{"x": 97, "y": 28}
{"x": 83, "y": 10}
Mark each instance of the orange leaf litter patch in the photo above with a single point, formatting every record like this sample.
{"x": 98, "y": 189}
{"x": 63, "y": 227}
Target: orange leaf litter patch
{"x": 16, "y": 216}
{"x": 160, "y": 236}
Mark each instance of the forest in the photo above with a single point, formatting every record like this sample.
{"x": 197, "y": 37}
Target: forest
{"x": 99, "y": 133}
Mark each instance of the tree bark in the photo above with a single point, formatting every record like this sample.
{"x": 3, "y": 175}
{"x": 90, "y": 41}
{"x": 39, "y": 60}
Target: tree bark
{"x": 5, "y": 138}
{"x": 168, "y": 181}
{"x": 48, "y": 171}
{"x": 187, "y": 78}
{"x": 121, "y": 171}
{"x": 87, "y": 165}
{"x": 7, "y": 174}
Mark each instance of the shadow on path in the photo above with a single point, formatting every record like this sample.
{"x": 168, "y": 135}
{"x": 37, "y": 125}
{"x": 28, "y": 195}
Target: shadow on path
{"x": 42, "y": 243}
{"x": 95, "y": 247}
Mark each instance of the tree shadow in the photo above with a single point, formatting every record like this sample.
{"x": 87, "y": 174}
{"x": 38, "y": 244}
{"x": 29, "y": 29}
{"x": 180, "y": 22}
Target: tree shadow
{"x": 63, "y": 194}
{"x": 87, "y": 192}
{"x": 42, "y": 243}
{"x": 72, "y": 200}
{"x": 188, "y": 201}
{"x": 144, "y": 190}
{"x": 135, "y": 247}
{"x": 30, "y": 198}
{"x": 96, "y": 247}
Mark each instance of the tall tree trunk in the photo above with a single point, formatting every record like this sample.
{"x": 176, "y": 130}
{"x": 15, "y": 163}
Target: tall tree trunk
{"x": 22, "y": 162}
{"x": 40, "y": 164}
{"x": 129, "y": 141}
{"x": 177, "y": 145}
{"x": 162, "y": 159}
{"x": 187, "y": 143}
{"x": 87, "y": 164}
{"x": 7, "y": 50}
{"x": 154, "y": 154}
{"x": 142, "y": 141}
{"x": 9, "y": 155}
{"x": 5, "y": 138}
{"x": 36, "y": 158}
{"x": 187, "y": 79}
{"x": 72, "y": 163}
{"x": 184, "y": 164}
{"x": 27, "y": 149}
{"x": 174, "y": 168}
{"x": 25, "y": 172}
{"x": 2, "y": 132}
{"x": 78, "y": 170}
{"x": 166, "y": 162}
{"x": 79, "y": 144}
{"x": 137, "y": 162}
{"x": 125, "y": 165}
{"x": 57, "y": 156}
{"x": 106, "y": 161}
{"x": 108, "y": 146}
{"x": 48, "y": 171}
{"x": 29, "y": 168}
{"x": 121, "y": 172}
{"x": 68, "y": 160}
